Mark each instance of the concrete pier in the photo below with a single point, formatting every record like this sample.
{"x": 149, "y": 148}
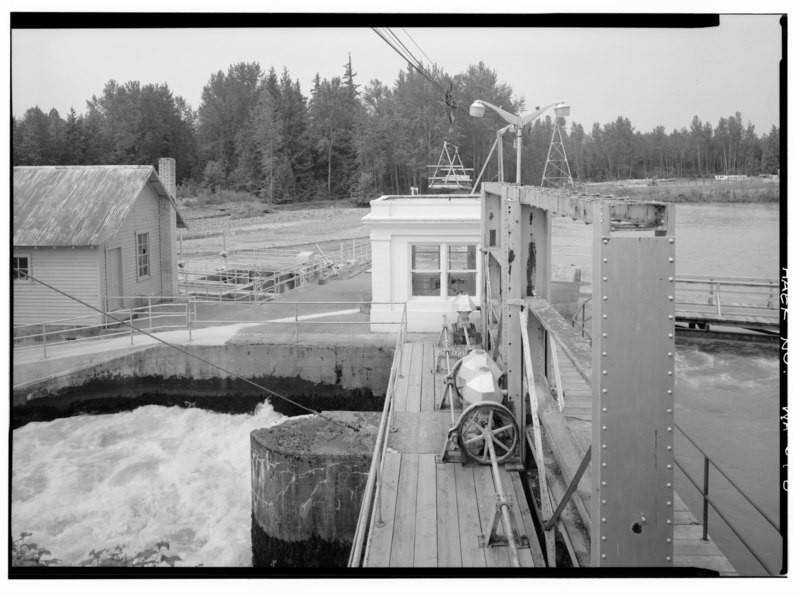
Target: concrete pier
{"x": 308, "y": 477}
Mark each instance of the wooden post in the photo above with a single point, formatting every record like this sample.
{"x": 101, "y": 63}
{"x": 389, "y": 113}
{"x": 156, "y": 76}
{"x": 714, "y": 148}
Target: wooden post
{"x": 150, "y": 312}
{"x": 131, "y": 321}
{"x": 44, "y": 338}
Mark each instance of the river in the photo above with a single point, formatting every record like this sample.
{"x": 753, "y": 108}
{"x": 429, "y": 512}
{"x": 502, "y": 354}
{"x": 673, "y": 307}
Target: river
{"x": 183, "y": 475}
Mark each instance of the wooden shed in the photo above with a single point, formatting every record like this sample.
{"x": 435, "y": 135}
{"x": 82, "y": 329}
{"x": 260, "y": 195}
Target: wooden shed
{"x": 103, "y": 234}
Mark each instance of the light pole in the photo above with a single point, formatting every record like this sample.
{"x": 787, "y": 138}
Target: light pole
{"x": 517, "y": 123}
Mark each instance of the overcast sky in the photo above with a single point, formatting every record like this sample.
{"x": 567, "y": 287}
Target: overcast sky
{"x": 652, "y": 76}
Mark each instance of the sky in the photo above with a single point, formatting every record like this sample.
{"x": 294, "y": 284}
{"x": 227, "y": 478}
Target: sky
{"x": 651, "y": 76}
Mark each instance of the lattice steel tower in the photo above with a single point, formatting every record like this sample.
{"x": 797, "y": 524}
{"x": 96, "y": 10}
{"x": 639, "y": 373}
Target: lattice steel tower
{"x": 556, "y": 171}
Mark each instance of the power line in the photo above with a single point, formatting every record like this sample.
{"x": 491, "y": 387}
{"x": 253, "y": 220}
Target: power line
{"x": 26, "y": 275}
{"x": 416, "y": 44}
{"x": 408, "y": 56}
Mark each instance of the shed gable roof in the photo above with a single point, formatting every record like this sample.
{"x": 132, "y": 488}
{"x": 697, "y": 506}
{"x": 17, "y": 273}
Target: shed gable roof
{"x": 78, "y": 205}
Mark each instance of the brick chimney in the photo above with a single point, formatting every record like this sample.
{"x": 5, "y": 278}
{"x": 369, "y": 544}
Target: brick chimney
{"x": 167, "y": 225}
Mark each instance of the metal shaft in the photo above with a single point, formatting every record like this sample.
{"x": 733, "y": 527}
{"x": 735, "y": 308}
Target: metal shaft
{"x": 498, "y": 486}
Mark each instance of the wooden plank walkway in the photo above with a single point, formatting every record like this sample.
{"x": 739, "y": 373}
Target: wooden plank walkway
{"x": 434, "y": 514}
{"x": 690, "y": 550}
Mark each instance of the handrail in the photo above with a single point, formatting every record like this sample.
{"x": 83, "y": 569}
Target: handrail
{"x": 704, "y": 491}
{"x": 370, "y": 507}
{"x": 180, "y": 308}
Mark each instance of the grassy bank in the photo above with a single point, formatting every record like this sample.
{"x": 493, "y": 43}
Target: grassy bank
{"x": 693, "y": 192}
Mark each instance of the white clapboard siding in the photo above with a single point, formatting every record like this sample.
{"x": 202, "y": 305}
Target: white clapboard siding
{"x": 142, "y": 218}
{"x": 71, "y": 270}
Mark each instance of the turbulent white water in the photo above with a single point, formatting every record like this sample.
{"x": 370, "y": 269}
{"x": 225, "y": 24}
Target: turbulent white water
{"x": 135, "y": 478}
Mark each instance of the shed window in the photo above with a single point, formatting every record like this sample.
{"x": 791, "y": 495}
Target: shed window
{"x": 143, "y": 254}
{"x": 20, "y": 268}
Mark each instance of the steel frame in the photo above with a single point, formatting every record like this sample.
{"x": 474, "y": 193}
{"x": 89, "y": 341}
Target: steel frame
{"x": 632, "y": 363}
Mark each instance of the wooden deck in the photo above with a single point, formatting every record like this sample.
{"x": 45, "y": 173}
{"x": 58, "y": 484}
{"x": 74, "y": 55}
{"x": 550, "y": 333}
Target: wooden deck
{"x": 434, "y": 514}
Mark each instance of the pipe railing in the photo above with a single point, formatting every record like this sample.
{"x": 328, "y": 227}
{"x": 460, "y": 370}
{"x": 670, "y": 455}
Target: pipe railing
{"x": 181, "y": 312}
{"x": 371, "y": 502}
{"x": 704, "y": 492}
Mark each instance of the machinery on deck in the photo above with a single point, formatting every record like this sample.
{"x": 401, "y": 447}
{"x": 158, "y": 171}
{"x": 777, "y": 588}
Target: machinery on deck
{"x": 486, "y": 432}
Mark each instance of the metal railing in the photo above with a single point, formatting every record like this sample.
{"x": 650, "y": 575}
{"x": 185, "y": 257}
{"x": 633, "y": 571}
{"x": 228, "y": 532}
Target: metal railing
{"x": 159, "y": 313}
{"x": 371, "y": 503}
{"x": 257, "y": 274}
{"x": 704, "y": 492}
{"x": 154, "y": 313}
{"x": 730, "y": 295}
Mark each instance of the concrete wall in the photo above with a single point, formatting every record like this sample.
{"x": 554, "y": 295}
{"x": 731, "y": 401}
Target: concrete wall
{"x": 72, "y": 270}
{"x": 350, "y": 367}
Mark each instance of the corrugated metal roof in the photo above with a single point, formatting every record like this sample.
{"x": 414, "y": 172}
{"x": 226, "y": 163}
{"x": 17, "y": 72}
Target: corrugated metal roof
{"x": 78, "y": 205}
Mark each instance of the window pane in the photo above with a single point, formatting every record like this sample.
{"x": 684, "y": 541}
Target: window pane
{"x": 20, "y": 266}
{"x": 461, "y": 282}
{"x": 425, "y": 257}
{"x": 461, "y": 257}
{"x": 425, "y": 284}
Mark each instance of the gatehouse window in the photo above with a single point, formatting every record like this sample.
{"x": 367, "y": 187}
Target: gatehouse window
{"x": 443, "y": 270}
{"x": 426, "y": 270}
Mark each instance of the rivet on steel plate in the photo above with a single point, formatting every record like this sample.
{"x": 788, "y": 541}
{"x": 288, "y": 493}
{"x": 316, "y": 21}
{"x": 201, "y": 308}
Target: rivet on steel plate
{"x": 603, "y": 538}
{"x": 603, "y": 464}
{"x": 669, "y": 558}
{"x": 669, "y": 410}
{"x": 603, "y": 483}
{"x": 669, "y": 466}
{"x": 605, "y": 372}
{"x": 669, "y": 391}
{"x": 669, "y": 485}
{"x": 669, "y": 503}
{"x": 605, "y": 240}
{"x": 605, "y": 335}
{"x": 604, "y": 446}
{"x": 603, "y": 556}
{"x": 669, "y": 335}
{"x": 669, "y": 317}
{"x": 605, "y": 353}
{"x": 604, "y": 520}
{"x": 605, "y": 390}
{"x": 669, "y": 540}
{"x": 605, "y": 316}
{"x": 605, "y": 409}
{"x": 605, "y": 297}
{"x": 669, "y": 354}
{"x": 669, "y": 447}
{"x": 669, "y": 521}
{"x": 605, "y": 260}
{"x": 669, "y": 373}
{"x": 604, "y": 428}
{"x": 605, "y": 279}
{"x": 669, "y": 429}
{"x": 671, "y": 260}
{"x": 670, "y": 298}
{"x": 671, "y": 279}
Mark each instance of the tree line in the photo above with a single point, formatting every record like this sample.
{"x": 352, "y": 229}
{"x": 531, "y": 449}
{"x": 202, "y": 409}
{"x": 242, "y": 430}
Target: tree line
{"x": 255, "y": 131}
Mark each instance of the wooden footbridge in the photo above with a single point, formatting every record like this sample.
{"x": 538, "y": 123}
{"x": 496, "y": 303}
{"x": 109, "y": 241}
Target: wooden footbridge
{"x": 592, "y": 470}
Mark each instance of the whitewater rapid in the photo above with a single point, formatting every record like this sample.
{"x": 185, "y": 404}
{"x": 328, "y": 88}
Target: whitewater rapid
{"x": 136, "y": 478}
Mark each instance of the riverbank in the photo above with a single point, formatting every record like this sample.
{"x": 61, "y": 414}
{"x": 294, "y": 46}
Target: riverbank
{"x": 691, "y": 191}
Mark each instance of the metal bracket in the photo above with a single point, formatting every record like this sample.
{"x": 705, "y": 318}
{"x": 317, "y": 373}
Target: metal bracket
{"x": 496, "y": 539}
{"x": 450, "y": 451}
{"x": 570, "y": 489}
